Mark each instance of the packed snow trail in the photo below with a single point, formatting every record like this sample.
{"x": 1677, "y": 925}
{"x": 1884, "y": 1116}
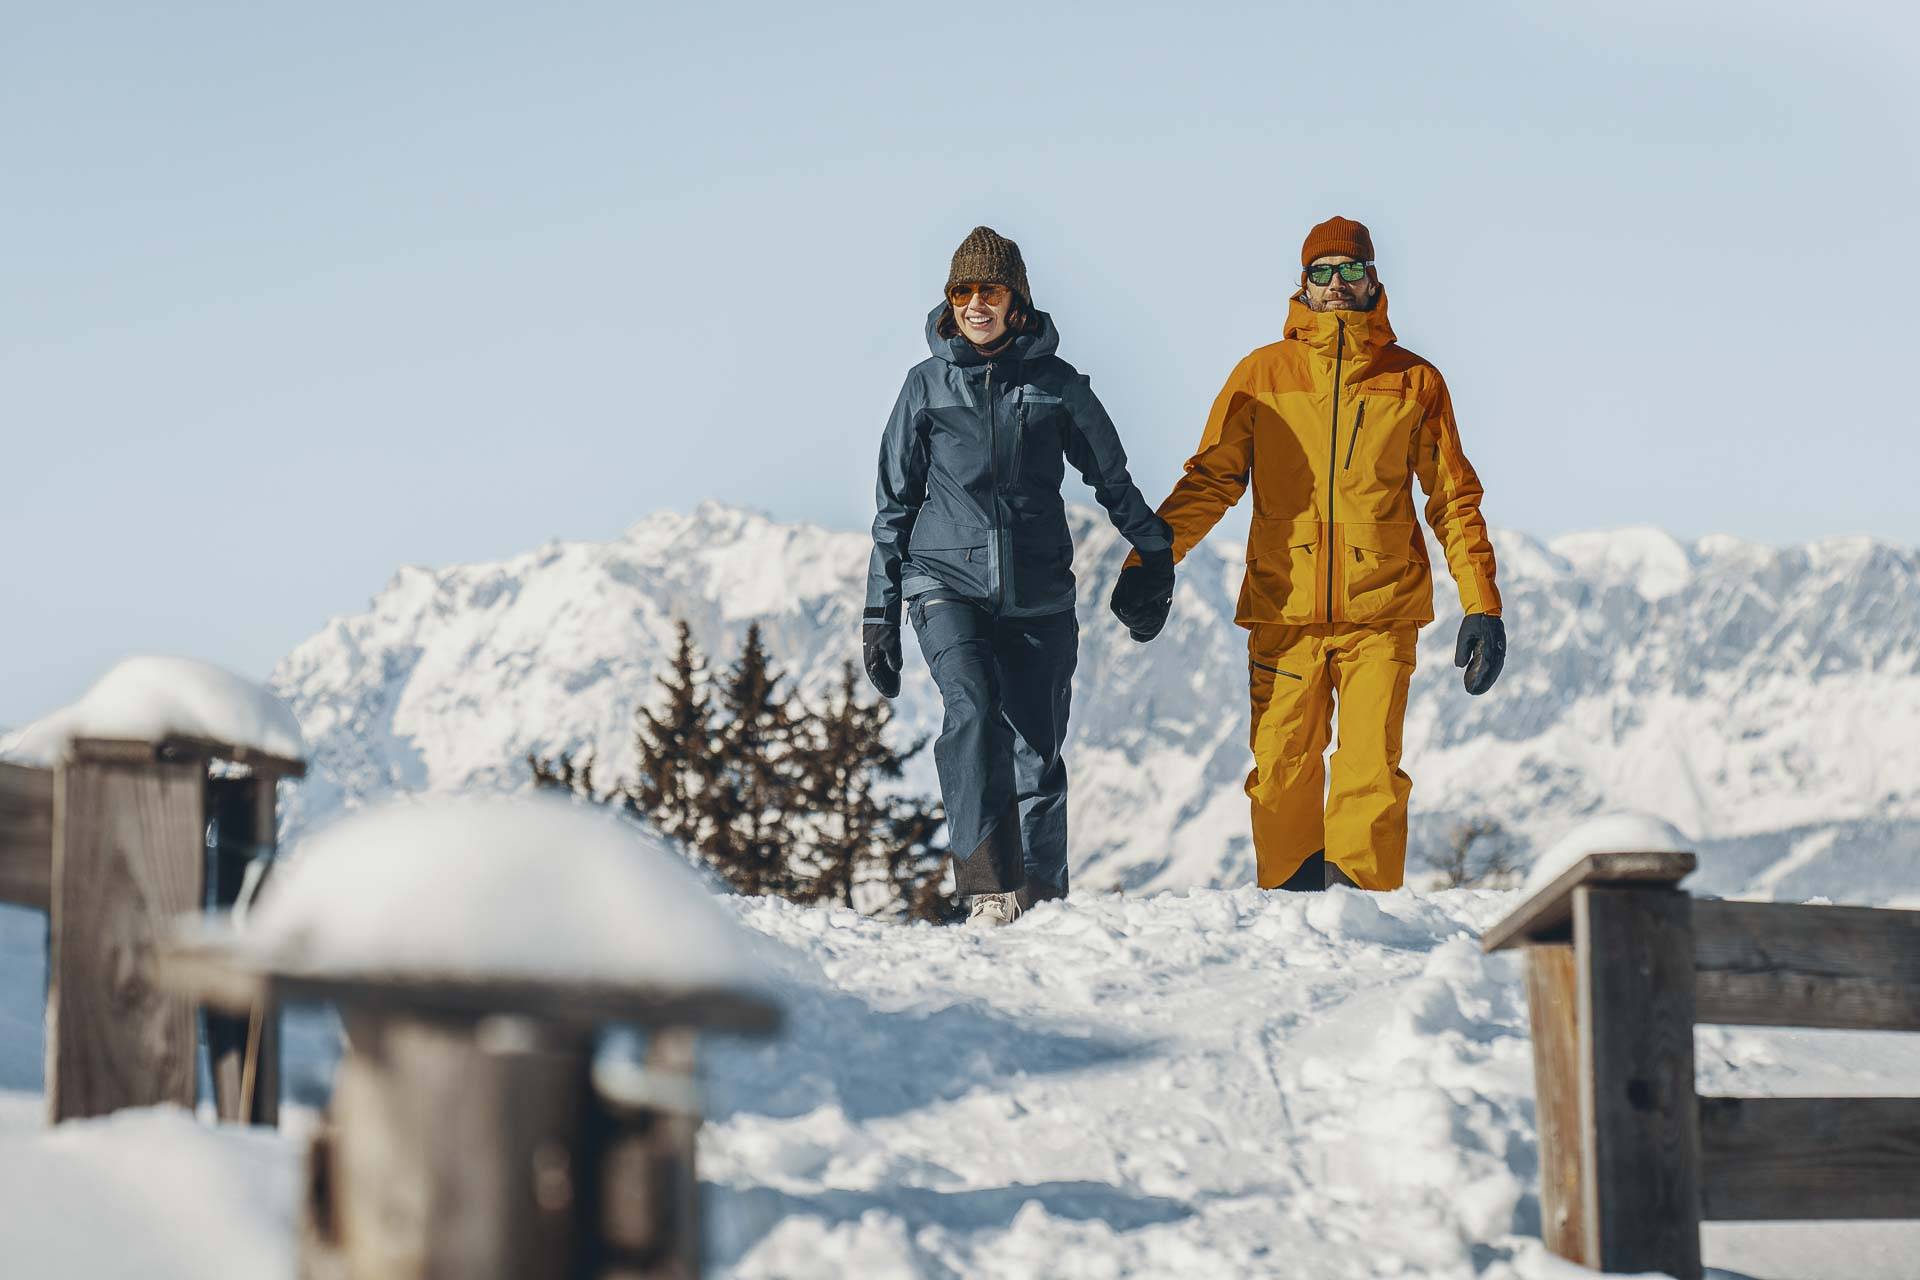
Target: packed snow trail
{"x": 1218, "y": 1085}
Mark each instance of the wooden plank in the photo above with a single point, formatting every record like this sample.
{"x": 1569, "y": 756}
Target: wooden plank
{"x": 260, "y": 1067}
{"x": 1634, "y": 960}
{"x": 242, "y": 1045}
{"x": 260, "y": 763}
{"x": 453, "y": 1150}
{"x": 559, "y": 1002}
{"x": 181, "y": 749}
{"x": 1772, "y": 964}
{"x": 1547, "y": 915}
{"x": 1809, "y": 1159}
{"x": 648, "y": 1197}
{"x": 1553, "y": 1009}
{"x": 128, "y": 856}
{"x": 26, "y": 836}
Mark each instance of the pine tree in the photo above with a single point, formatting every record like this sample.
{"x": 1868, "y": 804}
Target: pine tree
{"x": 859, "y": 838}
{"x": 675, "y": 746}
{"x": 750, "y": 789}
{"x": 562, "y": 774}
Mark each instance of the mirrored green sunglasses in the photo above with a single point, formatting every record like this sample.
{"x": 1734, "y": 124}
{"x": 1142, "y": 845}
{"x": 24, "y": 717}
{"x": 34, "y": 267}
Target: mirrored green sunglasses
{"x": 1349, "y": 271}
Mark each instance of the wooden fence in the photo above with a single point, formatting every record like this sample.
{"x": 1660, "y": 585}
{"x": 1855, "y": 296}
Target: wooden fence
{"x": 111, "y": 844}
{"x": 1621, "y": 966}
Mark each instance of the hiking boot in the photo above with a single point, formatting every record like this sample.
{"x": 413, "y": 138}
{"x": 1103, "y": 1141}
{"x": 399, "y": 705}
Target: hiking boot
{"x": 1311, "y": 877}
{"x": 1338, "y": 879}
{"x": 994, "y": 909}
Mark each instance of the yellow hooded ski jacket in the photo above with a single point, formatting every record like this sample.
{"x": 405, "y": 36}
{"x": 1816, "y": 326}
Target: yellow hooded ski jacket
{"x": 1331, "y": 426}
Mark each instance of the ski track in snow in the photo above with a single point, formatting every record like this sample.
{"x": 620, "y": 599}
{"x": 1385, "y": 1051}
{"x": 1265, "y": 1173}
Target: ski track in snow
{"x": 1217, "y": 1084}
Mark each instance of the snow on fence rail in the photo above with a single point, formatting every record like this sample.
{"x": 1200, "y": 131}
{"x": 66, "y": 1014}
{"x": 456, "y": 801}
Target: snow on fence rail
{"x": 1621, "y": 966}
{"x": 111, "y": 842}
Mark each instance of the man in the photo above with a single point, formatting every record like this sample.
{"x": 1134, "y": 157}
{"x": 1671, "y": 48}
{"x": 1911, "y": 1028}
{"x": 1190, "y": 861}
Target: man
{"x": 1332, "y": 426}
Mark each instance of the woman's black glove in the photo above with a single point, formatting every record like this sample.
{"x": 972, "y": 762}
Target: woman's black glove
{"x": 1481, "y": 649}
{"x": 880, "y": 653}
{"x": 1144, "y": 594}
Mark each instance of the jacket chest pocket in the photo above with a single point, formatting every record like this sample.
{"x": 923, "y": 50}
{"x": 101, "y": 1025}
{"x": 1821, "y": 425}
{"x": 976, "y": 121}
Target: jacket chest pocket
{"x": 1038, "y": 424}
{"x": 1375, "y": 436}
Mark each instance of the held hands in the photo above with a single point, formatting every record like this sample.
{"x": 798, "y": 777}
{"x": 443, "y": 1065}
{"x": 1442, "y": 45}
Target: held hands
{"x": 1144, "y": 594}
{"x": 1482, "y": 650}
{"x": 880, "y": 654}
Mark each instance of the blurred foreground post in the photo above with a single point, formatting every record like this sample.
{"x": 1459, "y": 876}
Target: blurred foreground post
{"x": 1621, "y": 966}
{"x": 470, "y": 1133}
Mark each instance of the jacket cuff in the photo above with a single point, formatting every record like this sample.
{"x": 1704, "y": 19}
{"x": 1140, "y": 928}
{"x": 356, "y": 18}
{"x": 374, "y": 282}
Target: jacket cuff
{"x": 1160, "y": 539}
{"x": 889, "y": 614}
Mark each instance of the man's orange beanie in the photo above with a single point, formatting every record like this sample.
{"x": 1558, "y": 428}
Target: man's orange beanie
{"x": 1337, "y": 235}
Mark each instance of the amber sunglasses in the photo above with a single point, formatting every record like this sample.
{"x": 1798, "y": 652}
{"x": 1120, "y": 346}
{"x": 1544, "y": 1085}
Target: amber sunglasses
{"x": 991, "y": 294}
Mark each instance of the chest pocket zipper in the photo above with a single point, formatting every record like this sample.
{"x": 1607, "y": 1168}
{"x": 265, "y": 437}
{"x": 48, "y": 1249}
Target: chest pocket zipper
{"x": 1359, "y": 416}
{"x": 1019, "y": 433}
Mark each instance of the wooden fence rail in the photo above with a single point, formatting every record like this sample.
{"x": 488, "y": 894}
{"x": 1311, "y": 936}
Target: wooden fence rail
{"x": 111, "y": 844}
{"x": 1621, "y": 966}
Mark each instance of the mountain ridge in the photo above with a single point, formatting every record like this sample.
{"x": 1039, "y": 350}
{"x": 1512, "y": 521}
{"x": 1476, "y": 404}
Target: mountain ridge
{"x": 1742, "y": 692}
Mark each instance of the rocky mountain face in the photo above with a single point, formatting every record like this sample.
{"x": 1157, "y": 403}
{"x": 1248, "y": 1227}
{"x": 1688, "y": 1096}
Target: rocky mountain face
{"x": 1765, "y": 700}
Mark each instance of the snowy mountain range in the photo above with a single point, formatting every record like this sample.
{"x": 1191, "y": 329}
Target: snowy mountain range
{"x": 1764, "y": 700}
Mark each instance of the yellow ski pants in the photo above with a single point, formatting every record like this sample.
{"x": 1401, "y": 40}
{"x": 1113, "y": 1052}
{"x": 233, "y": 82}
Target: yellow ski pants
{"x": 1298, "y": 675}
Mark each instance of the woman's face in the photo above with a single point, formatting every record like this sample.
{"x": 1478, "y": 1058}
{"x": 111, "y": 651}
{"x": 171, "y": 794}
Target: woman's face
{"x": 980, "y": 311}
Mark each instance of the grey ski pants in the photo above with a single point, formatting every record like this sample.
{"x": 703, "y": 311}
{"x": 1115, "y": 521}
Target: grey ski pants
{"x": 1005, "y": 686}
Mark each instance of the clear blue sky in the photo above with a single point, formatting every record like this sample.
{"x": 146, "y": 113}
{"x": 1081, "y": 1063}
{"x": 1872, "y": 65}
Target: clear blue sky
{"x": 297, "y": 294}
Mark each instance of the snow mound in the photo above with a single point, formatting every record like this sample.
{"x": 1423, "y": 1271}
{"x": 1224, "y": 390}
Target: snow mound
{"x": 1625, "y": 832}
{"x": 495, "y": 887}
{"x": 148, "y": 1193}
{"x": 147, "y": 699}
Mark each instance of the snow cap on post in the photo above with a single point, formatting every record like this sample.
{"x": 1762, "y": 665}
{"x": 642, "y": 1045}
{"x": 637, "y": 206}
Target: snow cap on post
{"x": 449, "y": 894}
{"x": 152, "y": 699}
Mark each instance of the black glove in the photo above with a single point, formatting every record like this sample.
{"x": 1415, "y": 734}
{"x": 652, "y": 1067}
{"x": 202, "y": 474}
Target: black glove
{"x": 1144, "y": 594}
{"x": 1481, "y": 649}
{"x": 880, "y": 653}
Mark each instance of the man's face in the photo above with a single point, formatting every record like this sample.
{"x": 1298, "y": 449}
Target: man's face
{"x": 1339, "y": 293}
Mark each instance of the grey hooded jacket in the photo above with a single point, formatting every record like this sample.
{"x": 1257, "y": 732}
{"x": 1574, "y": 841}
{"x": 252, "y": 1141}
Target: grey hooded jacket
{"x": 970, "y": 473}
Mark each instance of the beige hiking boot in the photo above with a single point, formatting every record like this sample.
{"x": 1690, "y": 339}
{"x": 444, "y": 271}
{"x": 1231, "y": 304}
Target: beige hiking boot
{"x": 994, "y": 909}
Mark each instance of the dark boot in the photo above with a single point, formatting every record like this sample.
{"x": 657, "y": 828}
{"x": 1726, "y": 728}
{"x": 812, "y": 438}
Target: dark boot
{"x": 1312, "y": 875}
{"x": 1338, "y": 879}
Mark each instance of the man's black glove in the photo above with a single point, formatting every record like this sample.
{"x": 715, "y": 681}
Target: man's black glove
{"x": 1481, "y": 649}
{"x": 1144, "y": 594}
{"x": 880, "y": 653}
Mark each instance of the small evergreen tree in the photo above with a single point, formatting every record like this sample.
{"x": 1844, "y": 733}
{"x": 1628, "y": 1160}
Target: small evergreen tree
{"x": 562, "y": 774}
{"x": 750, "y": 790}
{"x": 859, "y": 836}
{"x": 1479, "y": 852}
{"x": 675, "y": 747}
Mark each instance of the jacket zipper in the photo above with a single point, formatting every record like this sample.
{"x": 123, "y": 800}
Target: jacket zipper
{"x": 1333, "y": 446}
{"x": 1360, "y": 416}
{"x": 1019, "y": 432}
{"x": 993, "y": 464}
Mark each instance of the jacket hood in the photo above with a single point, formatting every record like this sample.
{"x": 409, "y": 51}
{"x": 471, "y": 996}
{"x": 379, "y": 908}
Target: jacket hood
{"x": 1366, "y": 331}
{"x": 958, "y": 351}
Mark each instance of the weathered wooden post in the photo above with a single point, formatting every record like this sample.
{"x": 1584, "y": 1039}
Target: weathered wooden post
{"x": 127, "y": 856}
{"x": 475, "y": 950}
{"x": 1610, "y": 986}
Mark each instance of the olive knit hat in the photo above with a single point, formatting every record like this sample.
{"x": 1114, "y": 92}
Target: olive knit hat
{"x": 1337, "y": 236}
{"x": 987, "y": 257}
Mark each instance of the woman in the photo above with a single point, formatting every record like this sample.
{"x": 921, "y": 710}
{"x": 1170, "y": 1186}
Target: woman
{"x": 972, "y": 537}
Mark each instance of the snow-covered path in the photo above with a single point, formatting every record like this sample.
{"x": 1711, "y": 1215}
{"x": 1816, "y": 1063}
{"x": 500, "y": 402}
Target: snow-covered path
{"x": 1220, "y": 1084}
{"x": 1214, "y": 1084}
